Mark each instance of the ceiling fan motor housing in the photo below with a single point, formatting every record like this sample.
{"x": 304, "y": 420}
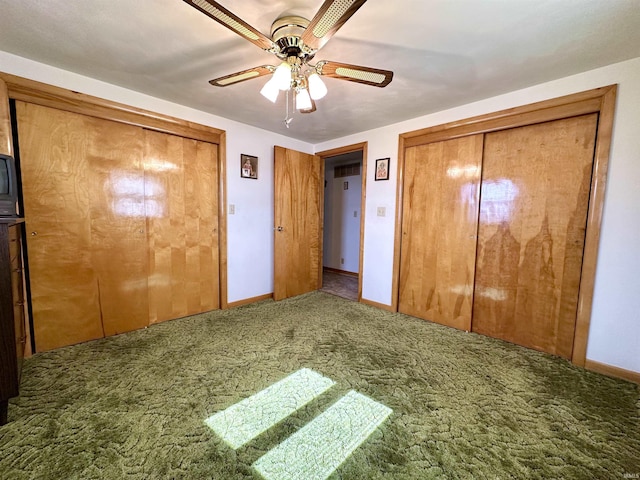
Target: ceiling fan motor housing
{"x": 286, "y": 32}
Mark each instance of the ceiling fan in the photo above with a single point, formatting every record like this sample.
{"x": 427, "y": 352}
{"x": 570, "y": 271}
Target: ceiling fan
{"x": 295, "y": 41}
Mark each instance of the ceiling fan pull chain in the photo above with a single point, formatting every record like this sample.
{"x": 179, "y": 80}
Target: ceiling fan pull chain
{"x": 287, "y": 119}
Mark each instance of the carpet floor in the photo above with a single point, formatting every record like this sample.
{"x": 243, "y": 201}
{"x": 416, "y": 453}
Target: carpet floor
{"x": 464, "y": 406}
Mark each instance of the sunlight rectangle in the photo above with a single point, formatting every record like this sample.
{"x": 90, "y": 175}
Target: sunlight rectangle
{"x": 252, "y": 416}
{"x": 316, "y": 450}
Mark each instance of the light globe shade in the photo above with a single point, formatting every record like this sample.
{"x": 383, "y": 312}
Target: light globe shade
{"x": 303, "y": 100}
{"x": 317, "y": 88}
{"x": 270, "y": 90}
{"x": 282, "y": 76}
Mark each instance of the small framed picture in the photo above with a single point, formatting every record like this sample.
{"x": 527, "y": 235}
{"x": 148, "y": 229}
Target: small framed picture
{"x": 248, "y": 166}
{"x": 382, "y": 169}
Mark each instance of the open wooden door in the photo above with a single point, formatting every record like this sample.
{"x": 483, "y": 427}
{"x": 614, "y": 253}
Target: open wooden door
{"x": 298, "y": 220}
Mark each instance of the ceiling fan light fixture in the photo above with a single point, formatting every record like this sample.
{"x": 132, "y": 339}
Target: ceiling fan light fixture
{"x": 295, "y": 41}
{"x": 303, "y": 100}
{"x": 317, "y": 88}
{"x": 282, "y": 76}
{"x": 270, "y": 90}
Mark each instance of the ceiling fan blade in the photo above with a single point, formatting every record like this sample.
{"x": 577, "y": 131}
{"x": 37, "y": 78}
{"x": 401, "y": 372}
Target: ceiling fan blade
{"x": 232, "y": 22}
{"x": 238, "y": 77}
{"x": 310, "y": 110}
{"x": 331, "y": 16}
{"x": 356, "y": 73}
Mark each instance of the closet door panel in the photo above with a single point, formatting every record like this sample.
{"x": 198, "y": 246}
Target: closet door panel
{"x": 55, "y": 179}
{"x": 205, "y": 275}
{"x": 535, "y": 196}
{"x": 118, "y": 237}
{"x": 439, "y": 225}
{"x": 181, "y": 199}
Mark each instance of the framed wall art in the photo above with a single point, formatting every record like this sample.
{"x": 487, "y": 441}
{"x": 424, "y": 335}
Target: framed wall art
{"x": 248, "y": 166}
{"x": 382, "y": 169}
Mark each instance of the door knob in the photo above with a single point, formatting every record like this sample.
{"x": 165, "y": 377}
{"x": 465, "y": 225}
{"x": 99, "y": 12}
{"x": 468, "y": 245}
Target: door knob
{"x": 280, "y": 228}
{"x": 33, "y": 234}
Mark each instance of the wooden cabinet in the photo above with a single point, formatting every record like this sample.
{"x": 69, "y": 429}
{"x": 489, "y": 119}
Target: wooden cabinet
{"x": 12, "y": 319}
{"x": 121, "y": 225}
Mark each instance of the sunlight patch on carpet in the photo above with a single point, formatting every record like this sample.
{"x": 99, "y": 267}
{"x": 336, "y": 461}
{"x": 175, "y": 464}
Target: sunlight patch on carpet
{"x": 245, "y": 420}
{"x": 321, "y": 446}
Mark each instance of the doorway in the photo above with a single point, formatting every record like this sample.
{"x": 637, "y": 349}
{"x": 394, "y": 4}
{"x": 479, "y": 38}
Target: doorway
{"x": 343, "y": 193}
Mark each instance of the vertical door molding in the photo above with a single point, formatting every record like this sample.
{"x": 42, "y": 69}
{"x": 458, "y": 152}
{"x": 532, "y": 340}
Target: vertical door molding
{"x": 600, "y": 100}
{"x": 6, "y": 142}
{"x": 222, "y": 220}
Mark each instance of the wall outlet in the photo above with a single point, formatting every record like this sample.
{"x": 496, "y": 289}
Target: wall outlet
{"x": 342, "y": 261}
{"x": 355, "y": 213}
{"x": 232, "y": 209}
{"x": 382, "y": 211}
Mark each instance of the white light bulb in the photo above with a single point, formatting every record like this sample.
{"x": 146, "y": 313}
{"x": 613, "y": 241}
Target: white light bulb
{"x": 303, "y": 100}
{"x": 282, "y": 76}
{"x": 270, "y": 90}
{"x": 317, "y": 88}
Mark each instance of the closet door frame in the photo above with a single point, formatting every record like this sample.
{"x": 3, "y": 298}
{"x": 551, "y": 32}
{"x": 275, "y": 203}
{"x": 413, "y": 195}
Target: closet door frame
{"x": 600, "y": 100}
{"x": 38, "y": 93}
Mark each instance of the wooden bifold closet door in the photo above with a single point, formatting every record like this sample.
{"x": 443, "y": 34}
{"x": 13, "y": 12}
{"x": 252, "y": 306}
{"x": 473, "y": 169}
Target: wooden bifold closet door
{"x": 533, "y": 214}
{"x": 519, "y": 279}
{"x": 439, "y": 225}
{"x": 117, "y": 220}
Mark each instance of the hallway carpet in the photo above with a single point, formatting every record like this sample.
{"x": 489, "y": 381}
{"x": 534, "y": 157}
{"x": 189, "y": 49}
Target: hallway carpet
{"x": 464, "y": 406}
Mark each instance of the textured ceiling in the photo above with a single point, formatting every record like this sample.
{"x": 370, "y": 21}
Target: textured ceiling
{"x": 444, "y": 52}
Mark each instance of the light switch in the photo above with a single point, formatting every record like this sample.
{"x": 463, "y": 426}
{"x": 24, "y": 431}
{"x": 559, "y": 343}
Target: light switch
{"x": 355, "y": 213}
{"x": 382, "y": 211}
{"x": 232, "y": 209}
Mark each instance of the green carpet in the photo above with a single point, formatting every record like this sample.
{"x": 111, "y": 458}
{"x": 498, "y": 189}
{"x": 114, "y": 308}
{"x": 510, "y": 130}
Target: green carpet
{"x": 464, "y": 405}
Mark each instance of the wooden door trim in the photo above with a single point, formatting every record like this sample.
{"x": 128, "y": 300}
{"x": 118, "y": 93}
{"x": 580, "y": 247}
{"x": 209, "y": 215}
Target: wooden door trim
{"x": 321, "y": 219}
{"x": 572, "y": 105}
{"x": 356, "y": 147}
{"x": 6, "y": 139}
{"x": 594, "y": 222}
{"x": 31, "y": 91}
{"x": 599, "y": 100}
{"x": 222, "y": 221}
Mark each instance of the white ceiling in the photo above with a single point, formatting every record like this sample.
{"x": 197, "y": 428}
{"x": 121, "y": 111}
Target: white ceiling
{"x": 444, "y": 52}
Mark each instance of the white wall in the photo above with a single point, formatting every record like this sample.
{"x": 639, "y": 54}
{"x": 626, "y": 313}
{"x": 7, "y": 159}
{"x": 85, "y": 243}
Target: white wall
{"x": 341, "y": 228}
{"x": 614, "y": 336}
{"x": 250, "y": 230}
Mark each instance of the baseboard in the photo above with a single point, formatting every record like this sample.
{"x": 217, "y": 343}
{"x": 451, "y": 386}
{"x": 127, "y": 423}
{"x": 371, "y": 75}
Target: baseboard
{"x": 382, "y": 306}
{"x": 340, "y": 272}
{"x": 612, "y": 371}
{"x": 247, "y": 301}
